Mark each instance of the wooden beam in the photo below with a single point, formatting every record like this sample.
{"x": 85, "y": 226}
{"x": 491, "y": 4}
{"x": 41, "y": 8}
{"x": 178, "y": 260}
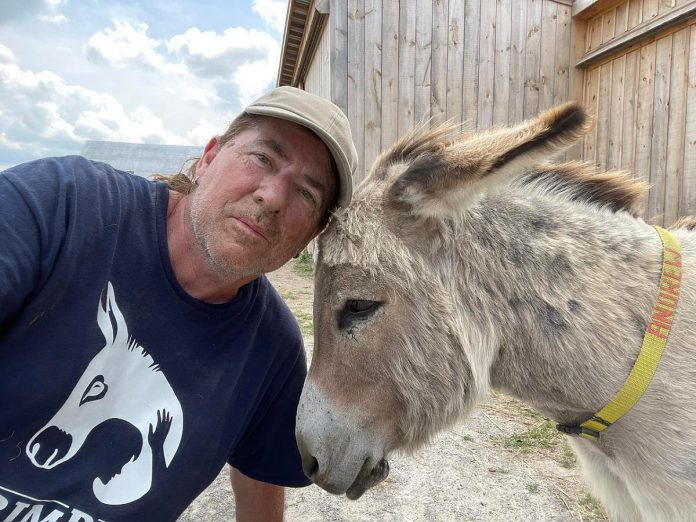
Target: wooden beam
{"x": 585, "y": 9}
{"x": 642, "y": 31}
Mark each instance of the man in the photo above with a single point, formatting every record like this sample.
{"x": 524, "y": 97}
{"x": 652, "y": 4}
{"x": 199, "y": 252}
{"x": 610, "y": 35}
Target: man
{"x": 140, "y": 346}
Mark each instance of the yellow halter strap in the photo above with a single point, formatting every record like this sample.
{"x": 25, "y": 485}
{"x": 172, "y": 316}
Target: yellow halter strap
{"x": 654, "y": 343}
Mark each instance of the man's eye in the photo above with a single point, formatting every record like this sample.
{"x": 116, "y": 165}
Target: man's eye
{"x": 262, "y": 158}
{"x": 306, "y": 194}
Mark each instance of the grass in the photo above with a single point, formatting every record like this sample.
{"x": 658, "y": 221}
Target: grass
{"x": 542, "y": 436}
{"x": 592, "y": 506}
{"x": 290, "y": 296}
{"x": 533, "y": 488}
{"x": 568, "y": 459}
{"x": 306, "y": 323}
{"x": 304, "y": 265}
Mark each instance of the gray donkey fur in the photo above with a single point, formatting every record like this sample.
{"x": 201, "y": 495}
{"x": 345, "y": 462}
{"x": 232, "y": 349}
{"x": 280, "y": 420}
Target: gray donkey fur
{"x": 465, "y": 263}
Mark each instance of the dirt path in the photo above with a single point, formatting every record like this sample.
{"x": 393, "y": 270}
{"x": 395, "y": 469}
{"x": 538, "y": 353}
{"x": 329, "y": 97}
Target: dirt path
{"x": 506, "y": 462}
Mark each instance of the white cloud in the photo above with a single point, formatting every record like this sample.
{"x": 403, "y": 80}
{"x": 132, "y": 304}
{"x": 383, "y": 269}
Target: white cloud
{"x": 57, "y": 19}
{"x": 126, "y": 44}
{"x": 273, "y": 12}
{"x": 201, "y": 60}
{"x": 41, "y": 113}
{"x": 246, "y": 57}
{"x": 203, "y": 131}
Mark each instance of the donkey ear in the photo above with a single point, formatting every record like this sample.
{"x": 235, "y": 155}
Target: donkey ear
{"x": 446, "y": 183}
{"x": 110, "y": 319}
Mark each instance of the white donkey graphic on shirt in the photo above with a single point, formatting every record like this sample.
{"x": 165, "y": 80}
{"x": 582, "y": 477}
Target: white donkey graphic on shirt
{"x": 121, "y": 382}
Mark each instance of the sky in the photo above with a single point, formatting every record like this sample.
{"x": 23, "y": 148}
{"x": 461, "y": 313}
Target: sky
{"x": 142, "y": 71}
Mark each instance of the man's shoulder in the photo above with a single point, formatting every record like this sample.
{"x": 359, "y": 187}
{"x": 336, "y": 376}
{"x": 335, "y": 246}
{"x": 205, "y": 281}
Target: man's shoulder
{"x": 276, "y": 312}
{"x": 70, "y": 169}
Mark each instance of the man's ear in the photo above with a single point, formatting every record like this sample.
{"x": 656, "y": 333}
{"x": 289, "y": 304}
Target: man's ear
{"x": 209, "y": 153}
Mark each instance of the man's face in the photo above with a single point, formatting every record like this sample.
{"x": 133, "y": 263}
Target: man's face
{"x": 261, "y": 199}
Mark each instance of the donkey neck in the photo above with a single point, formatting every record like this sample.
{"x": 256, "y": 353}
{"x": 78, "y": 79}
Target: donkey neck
{"x": 568, "y": 292}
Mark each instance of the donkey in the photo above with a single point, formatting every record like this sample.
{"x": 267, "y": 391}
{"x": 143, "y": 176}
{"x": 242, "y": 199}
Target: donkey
{"x": 467, "y": 262}
{"x": 120, "y": 375}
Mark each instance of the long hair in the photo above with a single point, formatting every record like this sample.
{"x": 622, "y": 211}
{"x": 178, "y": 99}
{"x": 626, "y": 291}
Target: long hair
{"x": 184, "y": 181}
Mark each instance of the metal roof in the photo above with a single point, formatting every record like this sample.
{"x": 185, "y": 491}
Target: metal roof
{"x": 142, "y": 159}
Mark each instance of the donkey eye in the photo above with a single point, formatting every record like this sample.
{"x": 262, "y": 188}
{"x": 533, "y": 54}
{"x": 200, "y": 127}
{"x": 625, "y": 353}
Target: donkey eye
{"x": 356, "y": 312}
{"x": 361, "y": 307}
{"x": 95, "y": 391}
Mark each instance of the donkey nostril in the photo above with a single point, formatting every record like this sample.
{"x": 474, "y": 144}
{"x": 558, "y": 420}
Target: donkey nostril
{"x": 314, "y": 467}
{"x": 310, "y": 467}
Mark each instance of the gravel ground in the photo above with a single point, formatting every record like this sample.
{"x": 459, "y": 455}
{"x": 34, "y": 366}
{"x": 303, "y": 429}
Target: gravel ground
{"x": 505, "y": 462}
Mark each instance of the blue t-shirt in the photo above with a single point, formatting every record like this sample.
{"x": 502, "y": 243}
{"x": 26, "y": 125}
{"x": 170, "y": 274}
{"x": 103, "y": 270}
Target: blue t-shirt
{"x": 121, "y": 396}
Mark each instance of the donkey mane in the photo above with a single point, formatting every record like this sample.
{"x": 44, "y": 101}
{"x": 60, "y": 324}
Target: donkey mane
{"x": 577, "y": 181}
{"x": 686, "y": 222}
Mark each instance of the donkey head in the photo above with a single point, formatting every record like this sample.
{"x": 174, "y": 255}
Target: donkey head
{"x": 109, "y": 392}
{"x": 393, "y": 363}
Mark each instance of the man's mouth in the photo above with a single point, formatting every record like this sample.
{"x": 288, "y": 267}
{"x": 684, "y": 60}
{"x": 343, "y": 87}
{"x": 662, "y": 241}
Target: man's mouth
{"x": 252, "y": 226}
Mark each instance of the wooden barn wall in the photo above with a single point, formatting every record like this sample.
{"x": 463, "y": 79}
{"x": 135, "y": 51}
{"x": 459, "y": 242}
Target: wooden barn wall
{"x": 318, "y": 80}
{"x": 395, "y": 63}
{"x": 623, "y": 17}
{"x": 643, "y": 100}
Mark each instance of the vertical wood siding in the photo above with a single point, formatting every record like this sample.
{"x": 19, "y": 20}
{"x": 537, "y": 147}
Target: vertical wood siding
{"x": 485, "y": 63}
{"x": 643, "y": 102}
{"x": 396, "y": 63}
{"x": 318, "y": 80}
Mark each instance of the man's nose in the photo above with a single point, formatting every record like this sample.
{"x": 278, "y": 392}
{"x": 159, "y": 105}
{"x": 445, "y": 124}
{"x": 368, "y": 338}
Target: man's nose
{"x": 272, "y": 192}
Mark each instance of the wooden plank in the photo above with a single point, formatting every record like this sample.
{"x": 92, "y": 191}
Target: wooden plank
{"x": 635, "y": 13}
{"x": 356, "y": 79}
{"x": 594, "y": 33}
{"x": 548, "y": 52}
{"x": 646, "y": 93}
{"x": 665, "y": 5}
{"x": 424, "y": 28}
{"x": 472, "y": 27}
{"x": 594, "y": 36}
{"x": 501, "y": 80}
{"x": 533, "y": 52}
{"x": 616, "y": 95}
{"x": 455, "y": 60}
{"x": 591, "y": 95}
{"x": 630, "y": 109}
{"x": 650, "y": 9}
{"x": 603, "y": 114}
{"x": 687, "y": 195}
{"x": 645, "y": 30}
{"x": 658, "y": 156}
{"x": 373, "y": 81}
{"x": 486, "y": 65}
{"x": 608, "y": 25}
{"x": 518, "y": 38}
{"x": 587, "y": 9}
{"x": 390, "y": 73}
{"x": 676, "y": 137}
{"x": 438, "y": 71}
{"x": 576, "y": 81}
{"x": 338, "y": 25}
{"x": 561, "y": 93}
{"x": 470, "y": 84}
{"x": 407, "y": 65}
{"x": 621, "y": 19}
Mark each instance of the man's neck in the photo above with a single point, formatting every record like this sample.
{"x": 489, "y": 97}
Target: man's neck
{"x": 190, "y": 266}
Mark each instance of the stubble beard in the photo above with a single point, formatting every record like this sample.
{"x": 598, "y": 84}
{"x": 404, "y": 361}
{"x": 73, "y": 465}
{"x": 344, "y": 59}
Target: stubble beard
{"x": 226, "y": 270}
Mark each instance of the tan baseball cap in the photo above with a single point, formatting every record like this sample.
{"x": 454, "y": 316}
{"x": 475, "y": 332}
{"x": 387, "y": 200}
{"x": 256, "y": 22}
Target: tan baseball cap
{"x": 322, "y": 117}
